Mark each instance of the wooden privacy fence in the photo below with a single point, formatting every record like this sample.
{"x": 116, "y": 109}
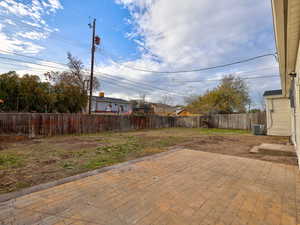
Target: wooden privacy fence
{"x": 43, "y": 124}
{"x": 243, "y": 121}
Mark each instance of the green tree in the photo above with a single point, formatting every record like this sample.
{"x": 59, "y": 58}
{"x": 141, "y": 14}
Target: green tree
{"x": 64, "y": 92}
{"x": 25, "y": 94}
{"x": 69, "y": 98}
{"x": 254, "y": 110}
{"x": 71, "y": 87}
{"x": 231, "y": 95}
{"x": 9, "y": 91}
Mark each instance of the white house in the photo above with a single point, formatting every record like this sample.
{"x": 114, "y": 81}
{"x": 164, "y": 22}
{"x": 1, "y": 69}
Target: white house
{"x": 286, "y": 16}
{"x": 278, "y": 113}
{"x": 101, "y": 104}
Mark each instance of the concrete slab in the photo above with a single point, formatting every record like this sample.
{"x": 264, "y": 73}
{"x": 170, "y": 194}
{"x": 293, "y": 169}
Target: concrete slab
{"x": 184, "y": 187}
{"x": 274, "y": 149}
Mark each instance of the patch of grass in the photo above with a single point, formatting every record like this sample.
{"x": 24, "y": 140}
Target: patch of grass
{"x": 107, "y": 155}
{"x": 100, "y": 161}
{"x": 221, "y": 131}
{"x": 21, "y": 184}
{"x": 68, "y": 165}
{"x": 165, "y": 142}
{"x": 10, "y": 161}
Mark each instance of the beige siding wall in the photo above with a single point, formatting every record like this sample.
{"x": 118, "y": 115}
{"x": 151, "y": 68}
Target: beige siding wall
{"x": 296, "y": 111}
{"x": 278, "y": 116}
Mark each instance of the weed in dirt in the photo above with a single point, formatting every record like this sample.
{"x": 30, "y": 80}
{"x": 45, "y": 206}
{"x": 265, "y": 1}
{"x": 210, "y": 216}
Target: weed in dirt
{"x": 68, "y": 165}
{"x": 21, "y": 184}
{"x": 107, "y": 155}
{"x": 168, "y": 141}
{"x": 221, "y": 131}
{"x": 10, "y": 161}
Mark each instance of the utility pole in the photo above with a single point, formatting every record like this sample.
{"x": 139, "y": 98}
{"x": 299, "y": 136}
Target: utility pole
{"x": 92, "y": 66}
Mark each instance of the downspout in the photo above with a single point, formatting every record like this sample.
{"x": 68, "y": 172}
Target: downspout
{"x": 292, "y": 103}
{"x": 270, "y": 111}
{"x": 285, "y": 44}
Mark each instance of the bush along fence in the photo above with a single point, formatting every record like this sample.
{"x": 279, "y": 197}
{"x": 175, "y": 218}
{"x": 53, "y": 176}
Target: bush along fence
{"x": 51, "y": 124}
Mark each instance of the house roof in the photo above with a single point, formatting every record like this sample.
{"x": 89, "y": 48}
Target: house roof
{"x": 273, "y": 92}
{"x": 112, "y": 100}
{"x": 180, "y": 111}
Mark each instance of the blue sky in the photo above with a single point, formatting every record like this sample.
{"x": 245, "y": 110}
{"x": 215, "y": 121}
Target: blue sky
{"x": 157, "y": 35}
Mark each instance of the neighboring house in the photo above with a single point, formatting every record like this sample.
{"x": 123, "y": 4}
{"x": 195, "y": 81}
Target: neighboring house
{"x": 286, "y": 16}
{"x": 185, "y": 112}
{"x": 105, "y": 105}
{"x": 148, "y": 108}
{"x": 140, "y": 107}
{"x": 162, "y": 109}
{"x": 278, "y": 113}
{"x": 143, "y": 110}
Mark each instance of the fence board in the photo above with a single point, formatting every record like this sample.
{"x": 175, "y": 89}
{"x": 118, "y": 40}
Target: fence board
{"x": 243, "y": 121}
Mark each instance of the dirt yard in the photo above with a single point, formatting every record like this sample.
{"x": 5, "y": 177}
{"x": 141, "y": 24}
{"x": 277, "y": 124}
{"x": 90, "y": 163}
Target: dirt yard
{"x": 25, "y": 162}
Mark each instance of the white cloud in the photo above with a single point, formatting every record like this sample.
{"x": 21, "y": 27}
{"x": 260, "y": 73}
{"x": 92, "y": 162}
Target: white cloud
{"x": 9, "y": 21}
{"x": 35, "y": 10}
{"x": 33, "y": 24}
{"x": 33, "y": 35}
{"x": 197, "y": 32}
{"x": 28, "y": 18}
{"x": 55, "y": 4}
{"x": 177, "y": 35}
{"x": 13, "y": 44}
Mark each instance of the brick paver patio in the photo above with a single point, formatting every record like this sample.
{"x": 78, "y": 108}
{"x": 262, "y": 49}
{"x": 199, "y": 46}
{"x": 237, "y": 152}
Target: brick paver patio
{"x": 184, "y": 187}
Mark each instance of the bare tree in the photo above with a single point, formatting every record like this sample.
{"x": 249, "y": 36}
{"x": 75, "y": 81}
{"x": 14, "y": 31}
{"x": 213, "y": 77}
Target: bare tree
{"x": 143, "y": 97}
{"x": 261, "y": 101}
{"x": 167, "y": 99}
{"x": 74, "y": 76}
{"x": 190, "y": 99}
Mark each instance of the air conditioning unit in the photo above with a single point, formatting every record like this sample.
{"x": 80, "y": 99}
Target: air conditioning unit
{"x": 258, "y": 129}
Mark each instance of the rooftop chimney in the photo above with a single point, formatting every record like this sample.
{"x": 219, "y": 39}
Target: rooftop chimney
{"x": 101, "y": 94}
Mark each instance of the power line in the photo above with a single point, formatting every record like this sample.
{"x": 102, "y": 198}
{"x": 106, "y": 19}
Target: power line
{"x": 32, "y": 57}
{"x": 118, "y": 85}
{"x": 142, "y": 83}
{"x": 197, "y": 70}
{"x": 110, "y": 75}
{"x": 235, "y": 72}
{"x": 128, "y": 87}
{"x": 242, "y": 78}
{"x": 251, "y": 71}
{"x": 24, "y": 61}
{"x": 150, "y": 88}
{"x": 105, "y": 74}
{"x": 116, "y": 82}
{"x": 31, "y": 69}
{"x": 124, "y": 86}
{"x": 111, "y": 82}
{"x": 135, "y": 83}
